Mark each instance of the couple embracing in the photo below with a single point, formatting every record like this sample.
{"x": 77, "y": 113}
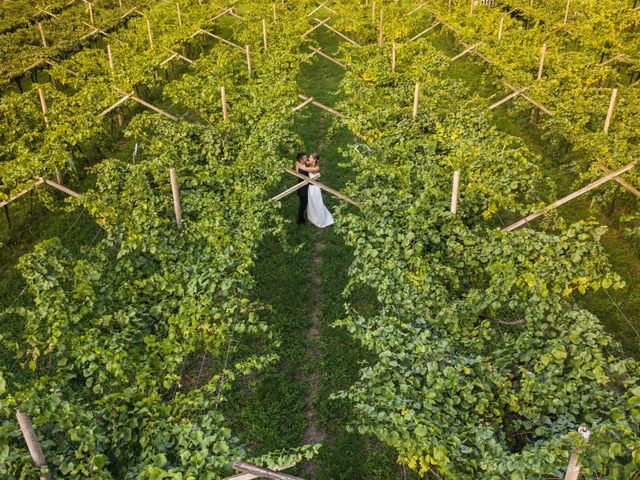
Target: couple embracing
{"x": 310, "y": 195}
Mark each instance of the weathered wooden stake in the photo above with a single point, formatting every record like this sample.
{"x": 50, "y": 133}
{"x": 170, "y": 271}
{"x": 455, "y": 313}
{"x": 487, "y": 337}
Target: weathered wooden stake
{"x": 472, "y": 5}
{"x": 223, "y": 98}
{"x": 43, "y": 106}
{"x": 455, "y": 192}
{"x": 90, "y": 13}
{"x": 416, "y": 100}
{"x": 32, "y": 443}
{"x": 380, "y": 28}
{"x": 394, "y": 49}
{"x": 149, "y": 33}
{"x": 110, "y": 55}
{"x": 373, "y": 12}
{"x": 541, "y": 66}
{"x": 42, "y": 37}
{"x": 573, "y": 469}
{"x": 120, "y": 3}
{"x": 176, "y": 197}
{"x": 264, "y": 34}
{"x": 566, "y": 12}
{"x": 449, "y": 4}
{"x": 179, "y": 14}
{"x": 274, "y": 13}
{"x": 500, "y": 29}
{"x": 612, "y": 104}
{"x": 246, "y": 48}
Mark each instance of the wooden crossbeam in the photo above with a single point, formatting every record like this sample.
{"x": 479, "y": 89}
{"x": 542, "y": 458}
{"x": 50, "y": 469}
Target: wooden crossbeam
{"x": 230, "y": 11}
{"x": 297, "y": 186}
{"x": 148, "y": 105}
{"x": 340, "y": 34}
{"x": 323, "y": 187}
{"x": 416, "y": 9}
{"x": 168, "y": 59}
{"x": 530, "y": 100}
{"x": 317, "y": 8}
{"x": 123, "y": 99}
{"x": 569, "y": 197}
{"x": 316, "y": 26}
{"x": 303, "y": 104}
{"x": 507, "y": 98}
{"x": 62, "y": 188}
{"x": 21, "y": 193}
{"x": 425, "y": 31}
{"x": 223, "y": 40}
{"x": 322, "y": 106}
{"x": 328, "y": 57}
{"x": 129, "y": 12}
{"x": 258, "y": 472}
{"x": 176, "y": 54}
{"x": 630, "y": 188}
{"x": 102, "y": 32}
{"x": 465, "y": 51}
{"x": 250, "y": 476}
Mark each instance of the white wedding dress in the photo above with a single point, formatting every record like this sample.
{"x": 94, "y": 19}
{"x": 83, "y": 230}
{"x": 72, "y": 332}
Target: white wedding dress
{"x": 317, "y": 213}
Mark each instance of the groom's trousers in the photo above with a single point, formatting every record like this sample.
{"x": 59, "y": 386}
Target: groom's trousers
{"x": 303, "y": 196}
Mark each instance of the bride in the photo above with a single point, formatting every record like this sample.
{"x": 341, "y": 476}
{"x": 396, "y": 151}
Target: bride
{"x": 317, "y": 213}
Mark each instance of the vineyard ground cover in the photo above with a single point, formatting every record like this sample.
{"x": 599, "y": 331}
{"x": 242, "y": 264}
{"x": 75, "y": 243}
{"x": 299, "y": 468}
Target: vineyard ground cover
{"x": 557, "y": 166}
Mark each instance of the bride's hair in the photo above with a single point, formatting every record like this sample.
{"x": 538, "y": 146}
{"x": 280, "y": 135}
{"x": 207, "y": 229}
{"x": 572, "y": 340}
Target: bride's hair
{"x": 315, "y": 157}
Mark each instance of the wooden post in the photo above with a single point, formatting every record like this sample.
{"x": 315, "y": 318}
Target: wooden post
{"x": 612, "y": 104}
{"x": 176, "y": 197}
{"x": 541, "y": 66}
{"x": 573, "y": 469}
{"x": 449, "y": 5}
{"x": 500, "y": 29}
{"x": 274, "y": 13}
{"x": 42, "y": 37}
{"x": 246, "y": 47}
{"x": 373, "y": 12}
{"x": 472, "y": 5}
{"x": 149, "y": 32}
{"x": 223, "y": 98}
{"x": 380, "y": 28}
{"x": 43, "y": 106}
{"x": 110, "y": 55}
{"x": 179, "y": 14}
{"x": 416, "y": 100}
{"x": 569, "y": 197}
{"x": 394, "y": 49}
{"x": 120, "y": 3}
{"x": 566, "y": 12}
{"x": 455, "y": 192}
{"x": 90, "y": 13}
{"x": 264, "y": 34}
{"x": 32, "y": 443}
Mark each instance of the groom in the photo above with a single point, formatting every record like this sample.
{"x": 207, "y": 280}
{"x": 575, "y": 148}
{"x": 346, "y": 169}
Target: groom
{"x": 303, "y": 193}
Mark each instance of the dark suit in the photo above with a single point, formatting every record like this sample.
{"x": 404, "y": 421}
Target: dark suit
{"x": 303, "y": 196}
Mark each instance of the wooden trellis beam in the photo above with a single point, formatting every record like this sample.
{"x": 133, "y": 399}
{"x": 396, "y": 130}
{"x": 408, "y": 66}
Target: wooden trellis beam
{"x": 317, "y": 8}
{"x": 530, "y": 100}
{"x": 175, "y": 54}
{"x": 33, "y": 445}
{"x": 416, "y": 9}
{"x": 335, "y": 193}
{"x": 340, "y": 34}
{"x": 62, "y": 188}
{"x": 251, "y": 471}
{"x": 415, "y": 37}
{"x": 328, "y": 57}
{"x": 630, "y": 188}
{"x": 129, "y": 95}
{"x": 465, "y": 51}
{"x": 230, "y": 11}
{"x": 322, "y": 22}
{"x": 507, "y": 98}
{"x": 297, "y": 186}
{"x": 223, "y": 40}
{"x": 569, "y": 197}
{"x": 303, "y": 104}
{"x": 21, "y": 193}
{"x": 322, "y": 106}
